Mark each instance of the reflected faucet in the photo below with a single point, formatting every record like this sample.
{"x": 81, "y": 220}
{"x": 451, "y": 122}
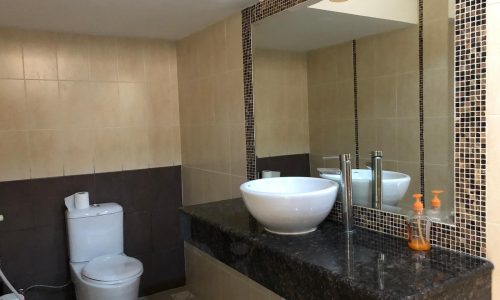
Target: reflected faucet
{"x": 345, "y": 188}
{"x": 376, "y": 168}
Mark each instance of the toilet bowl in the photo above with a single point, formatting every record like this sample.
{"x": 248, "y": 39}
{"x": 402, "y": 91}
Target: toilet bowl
{"x": 109, "y": 277}
{"x": 99, "y": 268}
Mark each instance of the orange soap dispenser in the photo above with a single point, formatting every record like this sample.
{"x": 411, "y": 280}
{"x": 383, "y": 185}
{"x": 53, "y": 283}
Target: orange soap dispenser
{"x": 434, "y": 212}
{"x": 419, "y": 226}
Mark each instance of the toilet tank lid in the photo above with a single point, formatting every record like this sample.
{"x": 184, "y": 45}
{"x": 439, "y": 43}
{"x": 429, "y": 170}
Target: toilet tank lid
{"x": 95, "y": 210}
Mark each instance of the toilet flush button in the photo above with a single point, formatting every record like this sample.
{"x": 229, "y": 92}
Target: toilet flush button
{"x": 1, "y": 218}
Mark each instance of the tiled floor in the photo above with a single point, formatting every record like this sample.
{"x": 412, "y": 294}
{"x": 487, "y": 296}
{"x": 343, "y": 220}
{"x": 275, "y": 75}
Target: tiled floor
{"x": 181, "y": 293}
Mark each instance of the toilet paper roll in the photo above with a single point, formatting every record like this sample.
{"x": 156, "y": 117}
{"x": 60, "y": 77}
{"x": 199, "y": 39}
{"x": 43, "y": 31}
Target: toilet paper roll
{"x": 270, "y": 174}
{"x": 82, "y": 200}
{"x": 267, "y": 174}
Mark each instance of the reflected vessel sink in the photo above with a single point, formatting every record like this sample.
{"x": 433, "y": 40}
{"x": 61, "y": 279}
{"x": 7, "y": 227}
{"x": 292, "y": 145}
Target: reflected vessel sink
{"x": 289, "y": 205}
{"x": 394, "y": 185}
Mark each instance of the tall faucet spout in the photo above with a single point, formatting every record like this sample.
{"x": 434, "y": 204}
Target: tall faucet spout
{"x": 346, "y": 188}
{"x": 376, "y": 179}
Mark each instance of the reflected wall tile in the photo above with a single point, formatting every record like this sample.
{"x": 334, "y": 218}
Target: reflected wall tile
{"x": 385, "y": 97}
{"x": 387, "y": 138}
{"x": 408, "y": 139}
{"x": 407, "y": 95}
{"x": 438, "y": 148}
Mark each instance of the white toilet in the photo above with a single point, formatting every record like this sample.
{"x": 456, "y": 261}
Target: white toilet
{"x": 99, "y": 268}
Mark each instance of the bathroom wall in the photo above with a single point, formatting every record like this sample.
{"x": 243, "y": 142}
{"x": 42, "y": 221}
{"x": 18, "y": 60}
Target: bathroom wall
{"x": 388, "y": 103}
{"x": 439, "y": 58}
{"x": 89, "y": 113}
{"x": 493, "y": 141}
{"x": 212, "y": 112}
{"x": 331, "y": 104}
{"x": 281, "y": 108}
{"x": 213, "y": 143}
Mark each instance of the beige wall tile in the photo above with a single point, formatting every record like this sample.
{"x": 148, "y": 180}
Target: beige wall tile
{"x": 161, "y": 146}
{"x": 387, "y": 138}
{"x": 438, "y": 133}
{"x": 79, "y": 145}
{"x": 234, "y": 49}
{"x": 238, "y": 150}
{"x": 407, "y": 96}
{"x": 413, "y": 170}
{"x": 40, "y": 55}
{"x": 109, "y": 152}
{"x": 106, "y": 102}
{"x": 46, "y": 153}
{"x": 102, "y": 58}
{"x": 45, "y": 107}
{"x": 164, "y": 105}
{"x": 159, "y": 61}
{"x": 135, "y": 148}
{"x": 11, "y": 54}
{"x": 438, "y": 97}
{"x": 130, "y": 60}
{"x": 408, "y": 139}
{"x": 73, "y": 57}
{"x": 385, "y": 103}
{"x": 436, "y": 40}
{"x": 78, "y": 106}
{"x": 103, "y": 122}
{"x": 14, "y": 113}
{"x": 215, "y": 280}
{"x": 134, "y": 104}
{"x": 14, "y": 155}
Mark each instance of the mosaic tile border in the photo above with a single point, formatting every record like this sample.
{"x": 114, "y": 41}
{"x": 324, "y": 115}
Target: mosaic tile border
{"x": 355, "y": 93}
{"x": 468, "y": 235}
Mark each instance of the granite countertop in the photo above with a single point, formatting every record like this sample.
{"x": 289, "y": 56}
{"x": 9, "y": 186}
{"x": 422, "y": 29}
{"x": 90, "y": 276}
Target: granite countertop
{"x": 330, "y": 264}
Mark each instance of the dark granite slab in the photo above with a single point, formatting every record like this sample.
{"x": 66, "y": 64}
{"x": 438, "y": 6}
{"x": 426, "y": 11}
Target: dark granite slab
{"x": 328, "y": 263}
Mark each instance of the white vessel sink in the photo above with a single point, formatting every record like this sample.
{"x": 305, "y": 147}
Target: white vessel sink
{"x": 394, "y": 185}
{"x": 289, "y": 205}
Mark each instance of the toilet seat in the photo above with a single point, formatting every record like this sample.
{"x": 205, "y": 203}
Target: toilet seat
{"x": 112, "y": 269}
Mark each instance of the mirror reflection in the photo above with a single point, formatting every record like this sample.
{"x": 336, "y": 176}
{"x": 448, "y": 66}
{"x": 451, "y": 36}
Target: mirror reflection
{"x": 343, "y": 77}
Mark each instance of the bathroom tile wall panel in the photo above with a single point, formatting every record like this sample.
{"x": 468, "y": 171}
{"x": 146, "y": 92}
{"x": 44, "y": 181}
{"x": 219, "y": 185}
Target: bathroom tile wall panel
{"x": 79, "y": 104}
{"x": 288, "y": 165}
{"x": 211, "y": 112}
{"x": 33, "y": 241}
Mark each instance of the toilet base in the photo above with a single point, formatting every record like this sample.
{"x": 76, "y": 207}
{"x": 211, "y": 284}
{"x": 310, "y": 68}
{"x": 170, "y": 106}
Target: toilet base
{"x": 86, "y": 290}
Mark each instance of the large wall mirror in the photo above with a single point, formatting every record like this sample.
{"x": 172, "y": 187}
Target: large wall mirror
{"x": 335, "y": 77}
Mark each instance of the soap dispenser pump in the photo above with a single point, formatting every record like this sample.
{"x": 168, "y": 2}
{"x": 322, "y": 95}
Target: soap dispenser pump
{"x": 434, "y": 212}
{"x": 419, "y": 226}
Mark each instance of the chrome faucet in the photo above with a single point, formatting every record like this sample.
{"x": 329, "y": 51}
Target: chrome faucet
{"x": 376, "y": 168}
{"x": 345, "y": 188}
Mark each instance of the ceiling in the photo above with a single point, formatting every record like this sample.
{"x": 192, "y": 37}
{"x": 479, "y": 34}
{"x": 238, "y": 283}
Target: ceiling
{"x": 168, "y": 19}
{"x": 302, "y": 28}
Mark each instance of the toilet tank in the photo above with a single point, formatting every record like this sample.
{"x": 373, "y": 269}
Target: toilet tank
{"x": 95, "y": 231}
